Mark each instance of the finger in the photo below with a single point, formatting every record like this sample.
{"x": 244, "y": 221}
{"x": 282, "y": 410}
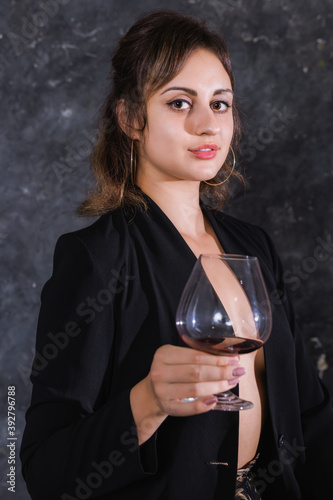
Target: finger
{"x": 200, "y": 405}
{"x": 194, "y": 373}
{"x": 174, "y": 355}
{"x": 168, "y": 392}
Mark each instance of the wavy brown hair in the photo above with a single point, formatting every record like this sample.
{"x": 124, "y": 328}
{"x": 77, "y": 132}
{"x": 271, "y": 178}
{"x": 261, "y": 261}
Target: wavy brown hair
{"x": 148, "y": 56}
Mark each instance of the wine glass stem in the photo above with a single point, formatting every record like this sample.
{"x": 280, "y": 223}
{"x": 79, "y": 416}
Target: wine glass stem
{"x": 228, "y": 401}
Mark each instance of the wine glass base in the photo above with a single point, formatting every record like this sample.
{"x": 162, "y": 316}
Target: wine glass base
{"x": 228, "y": 401}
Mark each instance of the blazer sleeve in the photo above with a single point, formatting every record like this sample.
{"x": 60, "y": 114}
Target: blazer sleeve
{"x": 314, "y": 400}
{"x": 77, "y": 439}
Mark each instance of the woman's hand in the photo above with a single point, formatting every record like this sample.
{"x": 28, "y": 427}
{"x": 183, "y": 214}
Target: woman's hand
{"x": 177, "y": 373}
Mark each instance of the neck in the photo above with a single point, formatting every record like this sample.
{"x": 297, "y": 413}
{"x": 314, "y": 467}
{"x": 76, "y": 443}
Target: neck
{"x": 179, "y": 200}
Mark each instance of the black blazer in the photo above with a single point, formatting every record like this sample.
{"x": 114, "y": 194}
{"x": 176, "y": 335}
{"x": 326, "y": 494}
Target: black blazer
{"x": 110, "y": 303}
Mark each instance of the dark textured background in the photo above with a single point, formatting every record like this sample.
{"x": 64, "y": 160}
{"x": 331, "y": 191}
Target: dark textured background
{"x": 53, "y": 70}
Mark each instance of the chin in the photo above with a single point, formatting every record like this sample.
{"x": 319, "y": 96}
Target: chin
{"x": 209, "y": 175}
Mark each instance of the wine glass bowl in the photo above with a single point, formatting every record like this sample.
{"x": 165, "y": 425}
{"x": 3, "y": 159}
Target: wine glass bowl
{"x": 224, "y": 310}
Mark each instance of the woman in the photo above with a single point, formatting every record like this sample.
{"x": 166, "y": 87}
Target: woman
{"x": 107, "y": 417}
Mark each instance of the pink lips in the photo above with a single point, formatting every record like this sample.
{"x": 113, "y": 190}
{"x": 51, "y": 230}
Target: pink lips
{"x": 205, "y": 151}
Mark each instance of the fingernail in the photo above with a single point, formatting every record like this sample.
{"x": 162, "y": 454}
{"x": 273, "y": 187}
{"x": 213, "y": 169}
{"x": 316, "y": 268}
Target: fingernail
{"x": 233, "y": 381}
{"x": 234, "y": 361}
{"x": 238, "y": 371}
{"x": 210, "y": 401}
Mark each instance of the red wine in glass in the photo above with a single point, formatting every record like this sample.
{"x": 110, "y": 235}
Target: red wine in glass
{"x": 223, "y": 346}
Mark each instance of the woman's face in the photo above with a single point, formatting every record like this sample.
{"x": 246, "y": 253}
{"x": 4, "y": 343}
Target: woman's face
{"x": 189, "y": 123}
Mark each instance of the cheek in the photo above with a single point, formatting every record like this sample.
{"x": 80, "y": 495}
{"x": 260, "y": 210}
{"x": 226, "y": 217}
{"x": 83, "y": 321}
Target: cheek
{"x": 226, "y": 130}
{"x": 161, "y": 135}
{"x": 228, "y": 125}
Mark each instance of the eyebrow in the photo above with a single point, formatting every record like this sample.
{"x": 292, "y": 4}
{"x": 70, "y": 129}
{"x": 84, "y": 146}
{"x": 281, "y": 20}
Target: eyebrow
{"x": 194, "y": 93}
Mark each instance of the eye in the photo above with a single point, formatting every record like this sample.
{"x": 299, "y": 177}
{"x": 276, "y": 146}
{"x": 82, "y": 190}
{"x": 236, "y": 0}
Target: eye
{"x": 179, "y": 104}
{"x": 220, "y": 106}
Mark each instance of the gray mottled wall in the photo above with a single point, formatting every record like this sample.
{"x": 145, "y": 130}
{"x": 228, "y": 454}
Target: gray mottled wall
{"x": 54, "y": 62}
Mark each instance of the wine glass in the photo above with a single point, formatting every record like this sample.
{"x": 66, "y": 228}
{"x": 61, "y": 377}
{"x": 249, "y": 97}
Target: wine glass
{"x": 224, "y": 310}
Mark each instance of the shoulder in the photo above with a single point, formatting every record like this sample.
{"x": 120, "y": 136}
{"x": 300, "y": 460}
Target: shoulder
{"x": 106, "y": 227}
{"x": 101, "y": 244}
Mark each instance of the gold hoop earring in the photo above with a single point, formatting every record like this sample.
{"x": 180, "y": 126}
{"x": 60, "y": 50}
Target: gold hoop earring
{"x": 225, "y": 180}
{"x": 133, "y": 163}
{"x": 122, "y": 189}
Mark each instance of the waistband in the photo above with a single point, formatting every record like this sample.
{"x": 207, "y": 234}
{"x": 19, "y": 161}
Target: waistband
{"x": 245, "y": 489}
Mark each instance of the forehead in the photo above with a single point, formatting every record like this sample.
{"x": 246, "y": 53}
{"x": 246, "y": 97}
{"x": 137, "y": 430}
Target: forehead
{"x": 202, "y": 69}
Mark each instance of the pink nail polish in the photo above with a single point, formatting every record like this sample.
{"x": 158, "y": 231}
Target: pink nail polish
{"x": 234, "y": 361}
{"x": 238, "y": 371}
{"x": 233, "y": 381}
{"x": 210, "y": 401}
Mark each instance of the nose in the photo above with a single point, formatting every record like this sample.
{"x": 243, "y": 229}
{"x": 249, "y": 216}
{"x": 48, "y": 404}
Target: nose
{"x": 203, "y": 121}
